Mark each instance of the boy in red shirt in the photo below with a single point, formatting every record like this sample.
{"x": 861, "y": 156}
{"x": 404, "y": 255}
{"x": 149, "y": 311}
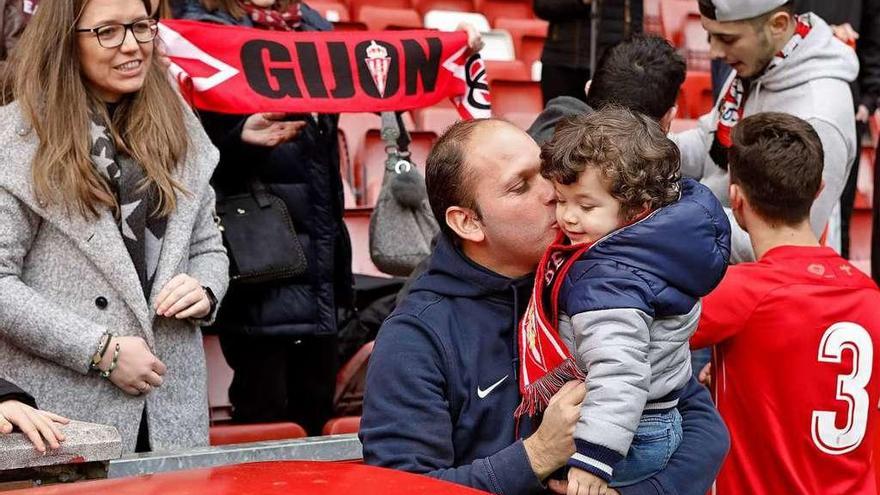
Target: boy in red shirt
{"x": 802, "y": 309}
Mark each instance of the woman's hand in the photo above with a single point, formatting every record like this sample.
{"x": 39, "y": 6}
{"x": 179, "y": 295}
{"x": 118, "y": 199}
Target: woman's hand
{"x": 474, "y": 38}
{"x": 183, "y": 297}
{"x": 35, "y": 424}
{"x": 845, "y": 32}
{"x": 269, "y": 129}
{"x": 137, "y": 370}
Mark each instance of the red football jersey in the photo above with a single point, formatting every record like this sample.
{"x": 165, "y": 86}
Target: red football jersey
{"x": 796, "y": 375}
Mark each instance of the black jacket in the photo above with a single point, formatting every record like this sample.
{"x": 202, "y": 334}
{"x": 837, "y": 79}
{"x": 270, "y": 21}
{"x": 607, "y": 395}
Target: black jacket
{"x": 568, "y": 38}
{"x": 864, "y": 17}
{"x": 8, "y": 391}
{"x": 304, "y": 173}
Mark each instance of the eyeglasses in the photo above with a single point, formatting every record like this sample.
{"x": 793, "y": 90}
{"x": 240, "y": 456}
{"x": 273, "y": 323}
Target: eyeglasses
{"x": 113, "y": 35}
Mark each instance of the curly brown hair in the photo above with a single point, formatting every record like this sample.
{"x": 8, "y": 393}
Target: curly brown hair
{"x": 640, "y": 164}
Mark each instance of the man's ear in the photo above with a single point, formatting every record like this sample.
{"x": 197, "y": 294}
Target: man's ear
{"x": 465, "y": 223}
{"x": 736, "y": 197}
{"x": 778, "y": 24}
{"x": 587, "y": 87}
{"x": 668, "y": 117}
{"x": 821, "y": 188}
{"x": 738, "y": 205}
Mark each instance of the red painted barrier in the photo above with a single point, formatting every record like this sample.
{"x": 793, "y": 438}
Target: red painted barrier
{"x": 265, "y": 478}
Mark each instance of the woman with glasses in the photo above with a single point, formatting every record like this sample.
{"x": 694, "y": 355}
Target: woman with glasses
{"x": 110, "y": 259}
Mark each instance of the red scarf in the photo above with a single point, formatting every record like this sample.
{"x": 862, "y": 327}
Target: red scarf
{"x": 545, "y": 361}
{"x": 232, "y": 69}
{"x": 730, "y": 109}
{"x": 274, "y": 20}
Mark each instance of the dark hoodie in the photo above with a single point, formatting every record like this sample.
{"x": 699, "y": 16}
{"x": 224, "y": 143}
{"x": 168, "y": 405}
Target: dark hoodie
{"x": 442, "y": 387}
{"x": 9, "y": 391}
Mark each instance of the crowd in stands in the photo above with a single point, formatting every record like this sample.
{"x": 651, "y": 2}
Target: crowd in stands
{"x": 631, "y": 282}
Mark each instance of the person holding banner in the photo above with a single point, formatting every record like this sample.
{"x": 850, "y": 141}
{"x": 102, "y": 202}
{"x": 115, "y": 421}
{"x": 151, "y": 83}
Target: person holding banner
{"x": 110, "y": 259}
{"x": 279, "y": 336}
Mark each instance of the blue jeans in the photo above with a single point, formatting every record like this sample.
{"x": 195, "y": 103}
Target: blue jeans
{"x": 656, "y": 438}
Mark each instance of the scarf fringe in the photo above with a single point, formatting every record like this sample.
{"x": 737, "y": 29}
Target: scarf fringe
{"x": 537, "y": 394}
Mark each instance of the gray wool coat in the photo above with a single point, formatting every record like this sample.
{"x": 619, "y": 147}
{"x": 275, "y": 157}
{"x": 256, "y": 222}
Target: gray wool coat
{"x": 53, "y": 269}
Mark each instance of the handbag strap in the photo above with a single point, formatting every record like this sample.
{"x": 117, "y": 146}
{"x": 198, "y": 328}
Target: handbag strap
{"x": 260, "y": 192}
{"x": 397, "y": 141}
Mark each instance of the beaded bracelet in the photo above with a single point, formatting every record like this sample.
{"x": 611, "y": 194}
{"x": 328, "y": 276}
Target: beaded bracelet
{"x": 113, "y": 363}
{"x": 103, "y": 344}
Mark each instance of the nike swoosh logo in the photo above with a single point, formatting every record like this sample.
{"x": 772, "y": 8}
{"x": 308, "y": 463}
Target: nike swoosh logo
{"x": 483, "y": 393}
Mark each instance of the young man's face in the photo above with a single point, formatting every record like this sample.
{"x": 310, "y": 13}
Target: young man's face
{"x": 585, "y": 210}
{"x": 740, "y": 44}
{"x": 515, "y": 202}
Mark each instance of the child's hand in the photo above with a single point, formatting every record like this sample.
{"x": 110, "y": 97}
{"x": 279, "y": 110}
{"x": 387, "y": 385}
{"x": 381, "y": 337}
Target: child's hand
{"x": 581, "y": 482}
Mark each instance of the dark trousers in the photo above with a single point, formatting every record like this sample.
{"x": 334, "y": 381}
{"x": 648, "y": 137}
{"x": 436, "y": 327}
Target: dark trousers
{"x": 558, "y": 80}
{"x": 875, "y": 221}
{"x": 848, "y": 196}
{"x": 282, "y": 379}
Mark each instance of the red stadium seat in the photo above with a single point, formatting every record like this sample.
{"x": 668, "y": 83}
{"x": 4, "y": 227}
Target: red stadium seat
{"x": 516, "y": 100}
{"x": 342, "y": 426}
{"x": 512, "y": 70}
{"x": 860, "y": 228}
{"x": 436, "y": 119}
{"x": 332, "y": 11}
{"x": 510, "y": 9}
{"x": 349, "y": 396}
{"x": 695, "y": 98}
{"x": 262, "y": 432}
{"x": 382, "y": 18}
{"x": 354, "y": 6}
{"x": 354, "y": 126}
{"x": 696, "y": 45}
{"x": 424, "y": 6}
{"x": 518, "y": 28}
{"x": 673, "y": 15}
{"x": 357, "y": 221}
{"x": 530, "y": 49}
{"x": 860, "y": 235}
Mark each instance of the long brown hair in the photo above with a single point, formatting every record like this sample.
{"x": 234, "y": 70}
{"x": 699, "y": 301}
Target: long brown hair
{"x": 49, "y": 87}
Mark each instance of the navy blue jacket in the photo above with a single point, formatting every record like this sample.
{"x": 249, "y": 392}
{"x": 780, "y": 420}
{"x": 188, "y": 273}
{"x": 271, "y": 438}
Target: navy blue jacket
{"x": 304, "y": 173}
{"x": 9, "y": 391}
{"x": 442, "y": 387}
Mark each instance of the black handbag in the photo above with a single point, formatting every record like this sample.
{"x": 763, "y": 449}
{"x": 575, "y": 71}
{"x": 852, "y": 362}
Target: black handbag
{"x": 259, "y": 237}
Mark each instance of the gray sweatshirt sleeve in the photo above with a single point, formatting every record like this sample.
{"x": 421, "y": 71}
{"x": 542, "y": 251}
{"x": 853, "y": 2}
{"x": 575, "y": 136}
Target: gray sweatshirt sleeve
{"x": 838, "y": 161}
{"x": 694, "y": 146}
{"x": 613, "y": 346}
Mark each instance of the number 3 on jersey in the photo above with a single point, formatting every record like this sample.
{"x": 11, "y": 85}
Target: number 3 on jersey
{"x": 850, "y": 389}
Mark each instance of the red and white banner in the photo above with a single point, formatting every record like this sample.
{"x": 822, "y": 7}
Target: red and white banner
{"x": 241, "y": 70}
